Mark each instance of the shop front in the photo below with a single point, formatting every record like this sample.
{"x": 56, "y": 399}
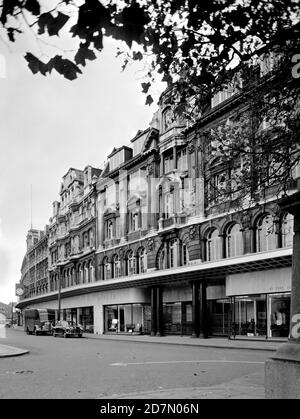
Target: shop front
{"x": 261, "y": 305}
{"x": 127, "y": 318}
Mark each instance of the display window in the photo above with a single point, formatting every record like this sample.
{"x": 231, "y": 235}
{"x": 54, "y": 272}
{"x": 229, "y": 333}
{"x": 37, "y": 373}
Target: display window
{"x": 127, "y": 318}
{"x": 279, "y": 306}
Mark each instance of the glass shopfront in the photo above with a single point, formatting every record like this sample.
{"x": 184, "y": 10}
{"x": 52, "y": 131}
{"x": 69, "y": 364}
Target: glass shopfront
{"x": 127, "y": 318}
{"x": 219, "y": 315}
{"x": 250, "y": 315}
{"x": 83, "y": 316}
{"x": 279, "y": 314}
{"x": 262, "y": 315}
{"x": 86, "y": 318}
{"x": 177, "y": 318}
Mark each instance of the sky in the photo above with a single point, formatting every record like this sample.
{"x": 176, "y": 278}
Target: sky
{"x": 49, "y": 124}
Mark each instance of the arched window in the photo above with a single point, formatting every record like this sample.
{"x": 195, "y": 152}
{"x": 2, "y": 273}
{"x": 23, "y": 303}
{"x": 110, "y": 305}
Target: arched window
{"x": 91, "y": 276}
{"x": 80, "y": 274}
{"x": 287, "y": 230}
{"x": 73, "y": 279}
{"x": 162, "y": 260}
{"x": 234, "y": 241}
{"x": 213, "y": 245}
{"x": 106, "y": 269}
{"x": 91, "y": 237}
{"x": 265, "y": 234}
{"x": 141, "y": 261}
{"x": 130, "y": 263}
{"x": 116, "y": 267}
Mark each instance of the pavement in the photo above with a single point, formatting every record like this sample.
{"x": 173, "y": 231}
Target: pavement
{"x": 246, "y": 387}
{"x": 162, "y": 368}
{"x": 8, "y": 351}
{"x": 224, "y": 343}
{"x": 212, "y": 342}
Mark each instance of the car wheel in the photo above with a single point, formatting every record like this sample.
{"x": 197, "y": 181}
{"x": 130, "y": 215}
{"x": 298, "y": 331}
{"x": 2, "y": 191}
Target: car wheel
{"x": 80, "y": 335}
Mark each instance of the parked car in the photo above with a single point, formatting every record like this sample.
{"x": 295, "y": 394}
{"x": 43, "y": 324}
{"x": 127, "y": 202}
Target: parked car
{"x": 66, "y": 328}
{"x": 38, "y": 321}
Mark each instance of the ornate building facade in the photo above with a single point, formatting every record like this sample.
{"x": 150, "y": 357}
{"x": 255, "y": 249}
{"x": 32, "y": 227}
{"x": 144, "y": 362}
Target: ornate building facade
{"x": 145, "y": 246}
{"x": 34, "y": 270}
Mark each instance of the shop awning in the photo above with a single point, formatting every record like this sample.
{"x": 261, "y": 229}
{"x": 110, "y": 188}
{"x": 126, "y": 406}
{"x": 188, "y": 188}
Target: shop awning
{"x": 209, "y": 271}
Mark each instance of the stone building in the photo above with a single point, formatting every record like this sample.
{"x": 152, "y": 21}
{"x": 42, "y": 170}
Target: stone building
{"x": 34, "y": 270}
{"x": 146, "y": 246}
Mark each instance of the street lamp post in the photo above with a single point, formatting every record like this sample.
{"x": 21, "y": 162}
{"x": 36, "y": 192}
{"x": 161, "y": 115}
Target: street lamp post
{"x": 282, "y": 370}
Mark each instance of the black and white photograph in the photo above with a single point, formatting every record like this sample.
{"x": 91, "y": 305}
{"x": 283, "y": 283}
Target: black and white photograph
{"x": 149, "y": 203}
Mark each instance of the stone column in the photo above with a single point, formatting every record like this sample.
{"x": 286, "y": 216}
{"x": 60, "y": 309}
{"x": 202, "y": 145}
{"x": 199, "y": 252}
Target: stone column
{"x": 159, "y": 312}
{"x": 153, "y": 311}
{"x": 195, "y": 309}
{"x": 282, "y": 370}
{"x": 203, "y": 329}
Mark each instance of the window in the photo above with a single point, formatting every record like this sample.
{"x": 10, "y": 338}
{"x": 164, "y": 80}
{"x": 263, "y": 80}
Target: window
{"x": 265, "y": 234}
{"x": 173, "y": 256}
{"x": 116, "y": 267}
{"x": 182, "y": 163}
{"x": 168, "y": 163}
{"x": 134, "y": 221}
{"x": 130, "y": 262}
{"x": 213, "y": 246}
{"x": 110, "y": 227}
{"x": 169, "y": 204}
{"x": 184, "y": 254}
{"x": 227, "y": 92}
{"x": 142, "y": 261}
{"x": 91, "y": 277}
{"x": 169, "y": 255}
{"x": 106, "y": 269}
{"x": 217, "y": 186}
{"x": 287, "y": 230}
{"x": 234, "y": 241}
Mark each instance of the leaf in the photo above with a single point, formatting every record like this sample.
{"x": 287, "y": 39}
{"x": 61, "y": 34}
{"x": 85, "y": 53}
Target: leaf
{"x": 8, "y": 7}
{"x": 133, "y": 18}
{"x": 52, "y": 24}
{"x": 137, "y": 56}
{"x": 33, "y": 6}
{"x": 146, "y": 87}
{"x": 84, "y": 54}
{"x": 36, "y": 65}
{"x": 149, "y": 100}
{"x": 64, "y": 67}
{"x": 11, "y": 33}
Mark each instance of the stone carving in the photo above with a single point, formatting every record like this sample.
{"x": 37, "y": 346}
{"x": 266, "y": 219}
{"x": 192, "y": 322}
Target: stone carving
{"x": 192, "y": 232}
{"x": 191, "y": 147}
{"x": 150, "y": 245}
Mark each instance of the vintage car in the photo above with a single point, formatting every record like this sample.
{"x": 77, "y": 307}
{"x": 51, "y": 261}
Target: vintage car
{"x": 43, "y": 328}
{"x": 66, "y": 328}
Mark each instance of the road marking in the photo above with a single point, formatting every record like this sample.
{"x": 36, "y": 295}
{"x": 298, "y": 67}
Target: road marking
{"x": 204, "y": 361}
